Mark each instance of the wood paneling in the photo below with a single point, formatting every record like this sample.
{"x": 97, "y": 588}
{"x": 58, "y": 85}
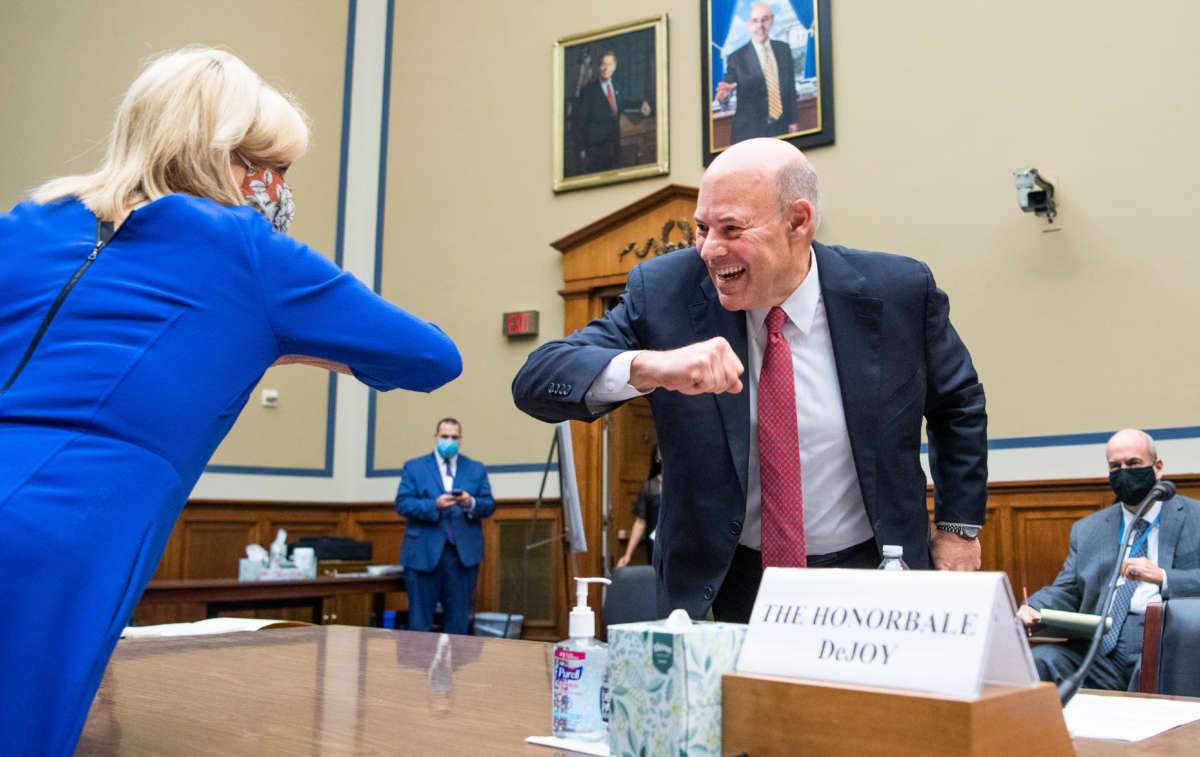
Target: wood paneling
{"x": 1028, "y": 531}
{"x": 210, "y": 537}
{"x": 1027, "y": 536}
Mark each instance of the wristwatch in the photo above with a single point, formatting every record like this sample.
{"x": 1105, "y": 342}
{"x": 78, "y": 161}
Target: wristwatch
{"x": 966, "y": 532}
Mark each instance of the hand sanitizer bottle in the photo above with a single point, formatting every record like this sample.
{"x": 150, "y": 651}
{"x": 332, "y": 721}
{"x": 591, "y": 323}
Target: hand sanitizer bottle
{"x": 577, "y": 708}
{"x": 893, "y": 558}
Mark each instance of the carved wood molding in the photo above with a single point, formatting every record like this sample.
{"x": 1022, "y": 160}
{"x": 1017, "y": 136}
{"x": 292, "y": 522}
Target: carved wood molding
{"x": 618, "y": 218}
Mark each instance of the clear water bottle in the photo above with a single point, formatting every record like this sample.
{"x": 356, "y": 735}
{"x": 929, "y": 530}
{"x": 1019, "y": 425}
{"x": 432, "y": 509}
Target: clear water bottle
{"x": 893, "y": 558}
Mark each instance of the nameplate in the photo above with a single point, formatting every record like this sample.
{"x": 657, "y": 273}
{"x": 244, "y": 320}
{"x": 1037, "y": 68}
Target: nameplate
{"x": 938, "y": 631}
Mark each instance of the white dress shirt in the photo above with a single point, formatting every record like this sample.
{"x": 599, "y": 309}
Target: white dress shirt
{"x": 448, "y": 478}
{"x": 444, "y": 463}
{"x": 1146, "y": 592}
{"x": 834, "y": 515}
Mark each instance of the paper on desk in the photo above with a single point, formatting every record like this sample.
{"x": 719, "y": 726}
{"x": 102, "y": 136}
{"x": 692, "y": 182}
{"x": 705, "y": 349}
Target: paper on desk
{"x": 598, "y": 748}
{"x": 200, "y": 627}
{"x": 1125, "y": 718}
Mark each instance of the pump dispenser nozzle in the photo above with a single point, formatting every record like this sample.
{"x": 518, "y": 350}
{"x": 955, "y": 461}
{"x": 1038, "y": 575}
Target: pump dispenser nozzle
{"x": 583, "y": 620}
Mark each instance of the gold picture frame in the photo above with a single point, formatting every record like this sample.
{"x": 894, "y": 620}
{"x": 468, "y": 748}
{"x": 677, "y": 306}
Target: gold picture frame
{"x": 610, "y": 105}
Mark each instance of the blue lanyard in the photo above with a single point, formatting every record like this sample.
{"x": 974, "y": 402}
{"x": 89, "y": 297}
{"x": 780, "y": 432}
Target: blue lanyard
{"x": 1138, "y": 543}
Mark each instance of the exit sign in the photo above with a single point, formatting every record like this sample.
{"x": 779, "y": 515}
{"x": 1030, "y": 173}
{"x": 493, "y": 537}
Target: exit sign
{"x": 521, "y": 323}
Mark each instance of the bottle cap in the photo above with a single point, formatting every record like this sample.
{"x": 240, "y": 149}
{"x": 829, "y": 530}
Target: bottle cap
{"x": 582, "y": 619}
{"x": 893, "y": 550}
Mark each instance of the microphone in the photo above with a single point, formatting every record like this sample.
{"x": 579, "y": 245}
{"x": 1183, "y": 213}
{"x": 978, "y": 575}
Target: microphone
{"x": 1163, "y": 490}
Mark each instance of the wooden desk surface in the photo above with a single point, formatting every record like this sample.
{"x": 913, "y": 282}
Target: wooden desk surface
{"x": 342, "y": 690}
{"x": 230, "y": 589}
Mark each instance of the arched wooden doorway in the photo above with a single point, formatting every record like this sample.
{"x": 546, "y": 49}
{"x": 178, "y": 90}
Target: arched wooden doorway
{"x": 596, "y": 260}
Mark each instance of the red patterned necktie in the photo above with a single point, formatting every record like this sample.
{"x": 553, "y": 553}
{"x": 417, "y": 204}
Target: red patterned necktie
{"x": 779, "y": 453}
{"x": 612, "y": 104}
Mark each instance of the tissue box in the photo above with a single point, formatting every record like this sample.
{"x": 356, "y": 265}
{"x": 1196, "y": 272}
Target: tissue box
{"x": 666, "y": 687}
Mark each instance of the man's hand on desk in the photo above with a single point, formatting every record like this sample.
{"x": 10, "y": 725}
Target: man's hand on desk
{"x": 703, "y": 367}
{"x": 953, "y": 552}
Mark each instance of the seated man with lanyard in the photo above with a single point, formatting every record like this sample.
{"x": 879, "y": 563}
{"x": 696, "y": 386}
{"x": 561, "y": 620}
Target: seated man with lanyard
{"x": 1163, "y": 562}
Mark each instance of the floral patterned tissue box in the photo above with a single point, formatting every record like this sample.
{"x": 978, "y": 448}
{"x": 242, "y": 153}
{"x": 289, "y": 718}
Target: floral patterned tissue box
{"x": 665, "y": 683}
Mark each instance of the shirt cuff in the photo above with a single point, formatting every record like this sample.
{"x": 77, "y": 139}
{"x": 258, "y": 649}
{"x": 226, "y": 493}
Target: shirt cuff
{"x": 612, "y": 385}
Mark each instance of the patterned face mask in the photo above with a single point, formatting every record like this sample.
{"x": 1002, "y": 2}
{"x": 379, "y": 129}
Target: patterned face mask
{"x": 267, "y": 192}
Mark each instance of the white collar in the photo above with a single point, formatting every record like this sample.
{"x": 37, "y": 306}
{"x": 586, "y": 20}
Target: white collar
{"x": 801, "y": 304}
{"x": 1149, "y": 517}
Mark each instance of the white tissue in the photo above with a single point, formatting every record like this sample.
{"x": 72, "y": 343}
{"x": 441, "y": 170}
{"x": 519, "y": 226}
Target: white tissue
{"x": 678, "y": 621}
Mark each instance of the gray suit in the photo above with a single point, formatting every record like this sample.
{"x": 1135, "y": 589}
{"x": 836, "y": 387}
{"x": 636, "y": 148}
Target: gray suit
{"x": 1090, "y": 564}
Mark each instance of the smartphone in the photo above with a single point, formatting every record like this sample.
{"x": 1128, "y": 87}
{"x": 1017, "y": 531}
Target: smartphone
{"x": 457, "y": 492}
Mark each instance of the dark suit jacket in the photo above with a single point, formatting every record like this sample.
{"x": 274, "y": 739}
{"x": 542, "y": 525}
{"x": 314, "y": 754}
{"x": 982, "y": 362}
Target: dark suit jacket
{"x": 599, "y": 126}
{"x": 898, "y": 360}
{"x": 750, "y": 118}
{"x": 416, "y": 500}
{"x": 1093, "y": 556}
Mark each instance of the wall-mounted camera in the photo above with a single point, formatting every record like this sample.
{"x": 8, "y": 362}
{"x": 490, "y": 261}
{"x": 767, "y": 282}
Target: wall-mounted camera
{"x": 1035, "y": 194}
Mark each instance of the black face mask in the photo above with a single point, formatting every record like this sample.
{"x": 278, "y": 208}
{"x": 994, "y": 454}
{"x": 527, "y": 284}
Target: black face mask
{"x": 1131, "y": 485}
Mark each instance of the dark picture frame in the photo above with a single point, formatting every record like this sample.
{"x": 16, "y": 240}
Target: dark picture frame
{"x": 727, "y": 55}
{"x": 598, "y": 140}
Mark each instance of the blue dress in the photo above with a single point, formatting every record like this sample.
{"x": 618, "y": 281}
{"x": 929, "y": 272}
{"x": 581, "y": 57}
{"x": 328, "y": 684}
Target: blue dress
{"x": 136, "y": 381}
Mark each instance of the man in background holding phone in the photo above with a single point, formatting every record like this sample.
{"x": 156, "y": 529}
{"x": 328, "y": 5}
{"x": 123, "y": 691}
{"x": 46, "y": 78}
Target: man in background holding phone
{"x": 443, "y": 497}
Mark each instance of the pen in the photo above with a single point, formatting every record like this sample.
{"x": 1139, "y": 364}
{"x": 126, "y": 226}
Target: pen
{"x": 1025, "y": 591}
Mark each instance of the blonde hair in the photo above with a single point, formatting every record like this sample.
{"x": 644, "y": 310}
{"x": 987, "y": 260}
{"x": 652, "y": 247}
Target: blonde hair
{"x": 180, "y": 121}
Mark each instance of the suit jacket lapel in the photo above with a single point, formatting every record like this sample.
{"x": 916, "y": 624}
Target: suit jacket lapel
{"x": 709, "y": 319}
{"x": 1113, "y": 531}
{"x": 855, "y": 328}
{"x": 1169, "y": 529}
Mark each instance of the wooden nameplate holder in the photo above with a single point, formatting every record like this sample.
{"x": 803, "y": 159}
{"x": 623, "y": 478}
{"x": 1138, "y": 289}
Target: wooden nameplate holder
{"x": 769, "y": 715}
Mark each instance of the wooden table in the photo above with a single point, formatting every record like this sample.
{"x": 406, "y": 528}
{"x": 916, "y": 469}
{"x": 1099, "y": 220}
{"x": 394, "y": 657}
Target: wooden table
{"x": 321, "y": 690}
{"x": 223, "y": 594}
{"x": 344, "y": 690}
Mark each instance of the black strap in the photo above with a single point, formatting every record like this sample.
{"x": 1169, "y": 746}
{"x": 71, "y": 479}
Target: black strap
{"x": 104, "y": 235}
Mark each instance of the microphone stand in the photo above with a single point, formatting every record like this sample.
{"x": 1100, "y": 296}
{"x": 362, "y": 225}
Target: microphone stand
{"x": 1162, "y": 490}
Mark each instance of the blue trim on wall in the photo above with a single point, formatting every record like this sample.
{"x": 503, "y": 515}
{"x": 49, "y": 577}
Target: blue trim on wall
{"x": 372, "y": 471}
{"x": 1016, "y": 442}
{"x": 522, "y": 468}
{"x": 265, "y": 470}
{"x": 347, "y": 91}
{"x": 373, "y": 399}
{"x": 1072, "y": 440}
{"x": 491, "y": 469}
{"x": 383, "y": 145}
{"x": 340, "y": 233}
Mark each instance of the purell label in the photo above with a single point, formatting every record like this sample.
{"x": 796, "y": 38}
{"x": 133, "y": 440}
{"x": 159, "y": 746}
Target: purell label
{"x": 563, "y": 673}
{"x": 567, "y": 654}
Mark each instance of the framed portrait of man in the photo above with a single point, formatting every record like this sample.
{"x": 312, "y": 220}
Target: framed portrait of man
{"x": 767, "y": 71}
{"x": 610, "y": 105}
